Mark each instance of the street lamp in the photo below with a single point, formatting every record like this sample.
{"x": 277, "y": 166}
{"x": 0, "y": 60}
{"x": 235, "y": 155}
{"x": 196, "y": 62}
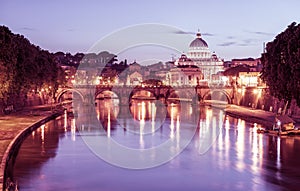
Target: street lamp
{"x": 279, "y": 125}
{"x": 97, "y": 81}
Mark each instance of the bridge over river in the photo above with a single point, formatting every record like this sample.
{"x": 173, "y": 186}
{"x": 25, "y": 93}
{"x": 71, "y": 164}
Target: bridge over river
{"x": 196, "y": 94}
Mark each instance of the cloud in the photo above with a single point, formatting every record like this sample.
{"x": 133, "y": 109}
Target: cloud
{"x": 264, "y": 33}
{"x": 193, "y": 33}
{"x": 27, "y": 29}
{"x": 207, "y": 34}
{"x": 250, "y": 41}
{"x": 182, "y": 32}
{"x": 227, "y": 43}
{"x": 243, "y": 44}
{"x": 70, "y": 30}
{"x": 230, "y": 37}
{"x": 260, "y": 33}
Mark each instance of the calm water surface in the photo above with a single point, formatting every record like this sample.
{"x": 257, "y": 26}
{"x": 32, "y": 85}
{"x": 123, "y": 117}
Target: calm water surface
{"x": 55, "y": 156}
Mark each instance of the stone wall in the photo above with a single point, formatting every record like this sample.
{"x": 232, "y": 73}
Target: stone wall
{"x": 264, "y": 101}
{"x": 31, "y": 99}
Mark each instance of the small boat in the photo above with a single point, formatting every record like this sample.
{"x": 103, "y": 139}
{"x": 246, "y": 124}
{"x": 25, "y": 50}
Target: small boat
{"x": 289, "y": 132}
{"x": 276, "y": 132}
{"x": 283, "y": 125}
{"x": 260, "y": 130}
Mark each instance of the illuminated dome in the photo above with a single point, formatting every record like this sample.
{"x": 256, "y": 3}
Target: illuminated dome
{"x": 199, "y": 49}
{"x": 198, "y": 42}
{"x": 199, "y": 56}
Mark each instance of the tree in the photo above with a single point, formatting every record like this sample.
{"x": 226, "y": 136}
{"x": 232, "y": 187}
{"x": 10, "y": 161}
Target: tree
{"x": 24, "y": 67}
{"x": 281, "y": 65}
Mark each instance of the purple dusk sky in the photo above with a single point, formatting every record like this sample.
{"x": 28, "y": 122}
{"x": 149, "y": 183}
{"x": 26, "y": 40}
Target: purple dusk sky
{"x": 232, "y": 28}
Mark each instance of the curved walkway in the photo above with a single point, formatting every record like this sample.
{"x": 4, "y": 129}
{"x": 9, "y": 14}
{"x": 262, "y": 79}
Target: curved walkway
{"x": 12, "y": 126}
{"x": 254, "y": 115}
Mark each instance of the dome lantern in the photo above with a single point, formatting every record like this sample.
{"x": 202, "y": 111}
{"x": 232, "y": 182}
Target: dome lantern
{"x": 198, "y": 42}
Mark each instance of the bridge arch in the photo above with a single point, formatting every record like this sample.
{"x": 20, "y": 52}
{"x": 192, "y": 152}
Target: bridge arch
{"x": 180, "y": 94}
{"x": 219, "y": 95}
{"x": 104, "y": 92}
{"x": 142, "y": 92}
{"x": 107, "y": 107}
{"x": 61, "y": 93}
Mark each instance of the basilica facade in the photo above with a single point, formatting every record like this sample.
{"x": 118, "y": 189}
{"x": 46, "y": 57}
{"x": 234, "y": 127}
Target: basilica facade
{"x": 199, "y": 55}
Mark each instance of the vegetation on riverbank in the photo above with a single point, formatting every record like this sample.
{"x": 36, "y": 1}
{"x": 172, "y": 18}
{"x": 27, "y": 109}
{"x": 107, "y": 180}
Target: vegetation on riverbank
{"x": 281, "y": 65}
{"x": 25, "y": 68}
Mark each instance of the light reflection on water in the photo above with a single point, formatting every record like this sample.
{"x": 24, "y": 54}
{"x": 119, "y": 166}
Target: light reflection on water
{"x": 55, "y": 157}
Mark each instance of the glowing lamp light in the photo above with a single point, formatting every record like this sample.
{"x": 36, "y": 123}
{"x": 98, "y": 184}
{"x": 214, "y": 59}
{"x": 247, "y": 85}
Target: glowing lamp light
{"x": 224, "y": 78}
{"x": 259, "y": 93}
{"x": 278, "y": 123}
{"x": 97, "y": 81}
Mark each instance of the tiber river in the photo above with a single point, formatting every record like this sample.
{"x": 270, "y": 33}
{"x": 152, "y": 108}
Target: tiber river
{"x": 57, "y": 157}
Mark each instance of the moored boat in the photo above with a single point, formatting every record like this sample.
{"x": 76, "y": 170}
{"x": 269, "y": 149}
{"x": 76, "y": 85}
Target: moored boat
{"x": 283, "y": 125}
